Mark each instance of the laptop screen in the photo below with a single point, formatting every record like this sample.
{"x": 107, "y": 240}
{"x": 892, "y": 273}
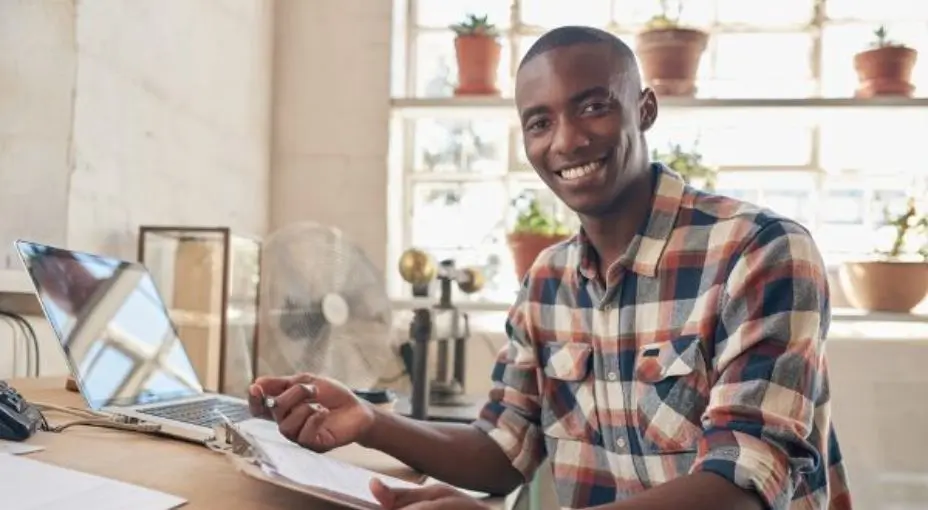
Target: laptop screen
{"x": 118, "y": 339}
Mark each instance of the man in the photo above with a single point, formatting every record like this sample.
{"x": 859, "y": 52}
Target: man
{"x": 668, "y": 356}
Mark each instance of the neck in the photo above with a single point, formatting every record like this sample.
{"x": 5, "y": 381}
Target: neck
{"x": 611, "y": 233}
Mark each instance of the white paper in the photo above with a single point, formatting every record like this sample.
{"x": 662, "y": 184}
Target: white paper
{"x": 32, "y": 485}
{"x": 13, "y": 448}
{"x": 315, "y": 470}
{"x": 312, "y": 469}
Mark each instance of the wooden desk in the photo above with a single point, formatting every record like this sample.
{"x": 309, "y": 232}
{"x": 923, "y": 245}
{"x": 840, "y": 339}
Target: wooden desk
{"x": 207, "y": 479}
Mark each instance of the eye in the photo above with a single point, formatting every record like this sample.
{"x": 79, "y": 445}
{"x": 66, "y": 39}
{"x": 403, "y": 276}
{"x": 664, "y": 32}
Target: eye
{"x": 536, "y": 125}
{"x": 595, "y": 107}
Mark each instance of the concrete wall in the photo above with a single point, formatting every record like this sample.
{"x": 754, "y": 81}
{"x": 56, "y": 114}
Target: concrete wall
{"x": 331, "y": 113}
{"x": 115, "y": 114}
{"x": 171, "y": 118}
{"x": 37, "y": 67}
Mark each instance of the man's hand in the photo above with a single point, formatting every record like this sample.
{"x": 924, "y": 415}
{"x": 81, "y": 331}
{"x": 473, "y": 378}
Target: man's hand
{"x": 431, "y": 497}
{"x": 315, "y": 412}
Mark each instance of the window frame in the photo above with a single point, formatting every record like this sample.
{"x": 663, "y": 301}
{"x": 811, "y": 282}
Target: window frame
{"x": 406, "y": 107}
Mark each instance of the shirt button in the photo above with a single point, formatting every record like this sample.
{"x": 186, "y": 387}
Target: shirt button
{"x": 611, "y": 376}
{"x": 620, "y": 442}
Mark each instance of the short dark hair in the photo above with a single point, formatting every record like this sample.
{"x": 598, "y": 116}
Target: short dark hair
{"x": 577, "y": 34}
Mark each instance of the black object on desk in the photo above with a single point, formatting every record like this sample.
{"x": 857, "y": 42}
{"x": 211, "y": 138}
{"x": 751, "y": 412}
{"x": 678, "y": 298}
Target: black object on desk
{"x": 19, "y": 419}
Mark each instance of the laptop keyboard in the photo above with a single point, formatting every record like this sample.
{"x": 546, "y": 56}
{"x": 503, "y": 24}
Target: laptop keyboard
{"x": 205, "y": 413}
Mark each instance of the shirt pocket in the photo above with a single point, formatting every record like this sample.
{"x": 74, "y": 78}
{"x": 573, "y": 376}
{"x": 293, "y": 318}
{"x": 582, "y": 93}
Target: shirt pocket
{"x": 671, "y": 393}
{"x": 568, "y": 409}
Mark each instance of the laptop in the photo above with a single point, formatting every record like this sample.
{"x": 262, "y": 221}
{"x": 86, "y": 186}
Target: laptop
{"x": 121, "y": 345}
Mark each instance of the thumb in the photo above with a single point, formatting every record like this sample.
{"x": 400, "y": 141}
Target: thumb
{"x": 383, "y": 494}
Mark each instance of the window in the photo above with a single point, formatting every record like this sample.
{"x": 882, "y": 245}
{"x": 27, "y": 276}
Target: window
{"x": 462, "y": 164}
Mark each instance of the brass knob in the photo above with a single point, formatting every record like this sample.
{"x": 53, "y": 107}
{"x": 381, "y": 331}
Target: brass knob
{"x": 473, "y": 282}
{"x": 417, "y": 267}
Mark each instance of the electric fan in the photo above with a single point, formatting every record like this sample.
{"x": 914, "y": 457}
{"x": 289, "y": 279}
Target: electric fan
{"x": 323, "y": 308}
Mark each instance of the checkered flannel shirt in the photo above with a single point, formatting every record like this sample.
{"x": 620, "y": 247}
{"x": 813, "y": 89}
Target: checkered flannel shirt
{"x": 702, "y": 352}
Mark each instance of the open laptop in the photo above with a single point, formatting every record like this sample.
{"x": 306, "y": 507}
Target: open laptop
{"x": 120, "y": 343}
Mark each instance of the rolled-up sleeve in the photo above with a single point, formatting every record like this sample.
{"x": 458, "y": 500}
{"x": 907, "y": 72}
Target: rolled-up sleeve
{"x": 774, "y": 316}
{"x": 511, "y": 417}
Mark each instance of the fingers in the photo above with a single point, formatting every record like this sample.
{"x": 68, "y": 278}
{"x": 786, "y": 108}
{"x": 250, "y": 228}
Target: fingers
{"x": 291, "y": 426}
{"x": 310, "y": 433}
{"x": 392, "y": 498}
{"x": 256, "y": 395}
{"x": 264, "y": 387}
{"x": 294, "y": 396}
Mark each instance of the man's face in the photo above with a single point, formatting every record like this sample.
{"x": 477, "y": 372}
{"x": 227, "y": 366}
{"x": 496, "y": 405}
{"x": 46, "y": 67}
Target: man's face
{"x": 582, "y": 125}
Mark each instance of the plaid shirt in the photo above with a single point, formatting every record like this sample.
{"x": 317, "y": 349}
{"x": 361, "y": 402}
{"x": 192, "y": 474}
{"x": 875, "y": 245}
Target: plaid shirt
{"x": 703, "y": 351}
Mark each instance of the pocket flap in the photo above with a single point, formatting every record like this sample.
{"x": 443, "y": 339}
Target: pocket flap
{"x": 567, "y": 361}
{"x": 675, "y": 358}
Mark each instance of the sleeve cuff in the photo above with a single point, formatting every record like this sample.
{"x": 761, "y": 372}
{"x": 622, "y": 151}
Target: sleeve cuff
{"x": 518, "y": 438}
{"x": 749, "y": 463}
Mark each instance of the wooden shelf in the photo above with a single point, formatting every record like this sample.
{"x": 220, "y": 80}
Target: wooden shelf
{"x": 496, "y": 106}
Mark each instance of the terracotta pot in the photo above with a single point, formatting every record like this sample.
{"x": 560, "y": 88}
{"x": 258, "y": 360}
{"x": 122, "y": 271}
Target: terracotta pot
{"x": 670, "y": 59}
{"x": 478, "y": 63}
{"x": 884, "y": 286}
{"x": 885, "y": 71}
{"x": 526, "y": 247}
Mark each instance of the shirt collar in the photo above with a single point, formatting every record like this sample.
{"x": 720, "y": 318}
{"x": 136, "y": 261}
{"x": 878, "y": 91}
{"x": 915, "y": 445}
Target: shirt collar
{"x": 647, "y": 247}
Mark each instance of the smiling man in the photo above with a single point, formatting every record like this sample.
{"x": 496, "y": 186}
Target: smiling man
{"x": 670, "y": 355}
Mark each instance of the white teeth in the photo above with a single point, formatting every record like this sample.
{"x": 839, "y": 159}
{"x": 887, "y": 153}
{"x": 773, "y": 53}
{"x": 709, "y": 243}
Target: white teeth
{"x": 579, "y": 171}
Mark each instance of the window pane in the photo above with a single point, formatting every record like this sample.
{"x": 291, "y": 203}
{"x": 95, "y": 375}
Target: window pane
{"x": 841, "y": 42}
{"x": 458, "y": 215}
{"x": 700, "y": 13}
{"x": 761, "y": 142}
{"x": 760, "y": 65}
{"x": 878, "y": 144}
{"x": 789, "y": 12}
{"x": 523, "y": 193}
{"x": 550, "y": 14}
{"x": 443, "y": 13}
{"x": 758, "y": 144}
{"x": 788, "y": 192}
{"x": 437, "y": 67}
{"x": 884, "y": 10}
{"x": 461, "y": 146}
{"x": 885, "y": 202}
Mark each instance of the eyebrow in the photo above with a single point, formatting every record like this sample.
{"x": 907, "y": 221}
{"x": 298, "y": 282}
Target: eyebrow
{"x": 576, "y": 98}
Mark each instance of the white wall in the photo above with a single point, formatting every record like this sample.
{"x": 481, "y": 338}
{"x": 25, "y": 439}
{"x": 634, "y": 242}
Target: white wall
{"x": 37, "y": 63}
{"x": 172, "y": 118}
{"x": 115, "y": 113}
{"x": 331, "y": 110}
{"x": 118, "y": 113}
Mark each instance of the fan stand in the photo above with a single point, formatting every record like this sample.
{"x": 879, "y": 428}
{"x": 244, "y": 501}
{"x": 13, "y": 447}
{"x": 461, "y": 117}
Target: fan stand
{"x": 446, "y": 390}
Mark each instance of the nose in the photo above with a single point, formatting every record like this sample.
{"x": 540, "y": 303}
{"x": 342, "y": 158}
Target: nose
{"x": 568, "y": 137}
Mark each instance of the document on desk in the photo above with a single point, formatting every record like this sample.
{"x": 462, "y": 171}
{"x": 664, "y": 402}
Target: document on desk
{"x": 32, "y": 485}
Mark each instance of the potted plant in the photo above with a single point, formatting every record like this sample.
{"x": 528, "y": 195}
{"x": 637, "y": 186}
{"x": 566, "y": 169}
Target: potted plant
{"x": 897, "y": 279}
{"x": 689, "y": 165}
{"x": 885, "y": 69}
{"x": 534, "y": 231}
{"x": 477, "y": 50}
{"x": 670, "y": 53}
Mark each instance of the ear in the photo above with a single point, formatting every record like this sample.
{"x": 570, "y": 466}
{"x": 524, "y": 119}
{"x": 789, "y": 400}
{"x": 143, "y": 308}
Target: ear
{"x": 647, "y": 109}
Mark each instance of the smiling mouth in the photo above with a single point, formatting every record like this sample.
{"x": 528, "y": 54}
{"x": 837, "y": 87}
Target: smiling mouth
{"x": 578, "y": 172}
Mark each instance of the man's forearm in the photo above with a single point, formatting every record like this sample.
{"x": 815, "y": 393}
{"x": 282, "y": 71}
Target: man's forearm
{"x": 698, "y": 491}
{"x": 458, "y": 454}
